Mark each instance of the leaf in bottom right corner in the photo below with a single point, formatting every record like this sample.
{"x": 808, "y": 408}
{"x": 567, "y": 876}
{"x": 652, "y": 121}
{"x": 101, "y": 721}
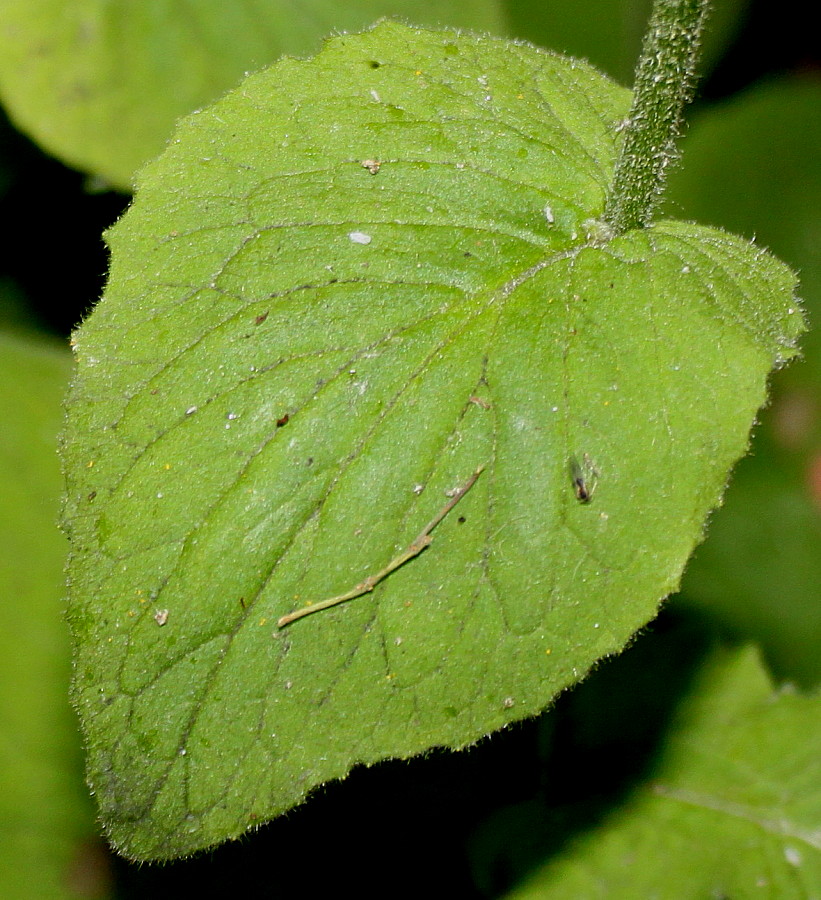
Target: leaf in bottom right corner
{"x": 734, "y": 810}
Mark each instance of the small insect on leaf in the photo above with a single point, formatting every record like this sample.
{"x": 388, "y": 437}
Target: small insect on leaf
{"x": 585, "y": 477}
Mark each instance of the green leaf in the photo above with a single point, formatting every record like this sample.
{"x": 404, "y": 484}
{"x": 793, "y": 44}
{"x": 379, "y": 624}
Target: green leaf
{"x": 760, "y": 572}
{"x": 100, "y": 85}
{"x": 340, "y": 291}
{"x": 734, "y": 809}
{"x": 45, "y": 814}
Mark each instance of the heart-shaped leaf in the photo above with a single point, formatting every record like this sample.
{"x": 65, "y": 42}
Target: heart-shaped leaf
{"x": 342, "y": 291}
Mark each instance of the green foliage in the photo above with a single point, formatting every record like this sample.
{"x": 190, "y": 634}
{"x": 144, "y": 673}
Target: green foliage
{"x": 101, "y": 84}
{"x": 731, "y": 811}
{"x": 338, "y": 293}
{"x": 760, "y": 572}
{"x": 342, "y": 289}
{"x": 45, "y": 814}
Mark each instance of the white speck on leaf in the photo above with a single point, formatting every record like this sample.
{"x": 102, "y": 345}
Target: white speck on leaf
{"x": 548, "y": 214}
{"x": 792, "y": 856}
{"x": 161, "y": 616}
{"x": 359, "y": 237}
{"x": 191, "y": 410}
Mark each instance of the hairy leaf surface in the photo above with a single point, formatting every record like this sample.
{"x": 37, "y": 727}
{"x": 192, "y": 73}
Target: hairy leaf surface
{"x": 343, "y": 289}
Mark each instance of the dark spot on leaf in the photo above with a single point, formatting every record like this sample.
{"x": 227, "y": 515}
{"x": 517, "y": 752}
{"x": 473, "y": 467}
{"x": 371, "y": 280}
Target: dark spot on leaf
{"x": 468, "y": 254}
{"x": 92, "y": 495}
{"x": 283, "y": 420}
{"x": 261, "y": 318}
{"x": 461, "y": 520}
{"x": 309, "y": 461}
{"x": 374, "y": 64}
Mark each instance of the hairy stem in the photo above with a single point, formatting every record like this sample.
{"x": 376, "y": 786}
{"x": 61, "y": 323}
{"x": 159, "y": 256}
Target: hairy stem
{"x": 664, "y": 81}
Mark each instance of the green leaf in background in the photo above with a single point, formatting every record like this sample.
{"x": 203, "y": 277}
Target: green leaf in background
{"x": 341, "y": 290}
{"x": 609, "y": 33}
{"x": 760, "y": 572}
{"x": 46, "y": 819}
{"x": 733, "y": 810}
{"x": 100, "y": 84}
{"x": 14, "y": 314}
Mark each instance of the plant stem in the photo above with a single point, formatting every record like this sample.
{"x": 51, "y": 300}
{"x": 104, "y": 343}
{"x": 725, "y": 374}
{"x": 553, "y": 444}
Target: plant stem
{"x": 422, "y": 541}
{"x": 664, "y": 80}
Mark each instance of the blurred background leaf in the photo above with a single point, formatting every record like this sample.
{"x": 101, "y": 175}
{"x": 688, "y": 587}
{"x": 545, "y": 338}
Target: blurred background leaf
{"x": 101, "y": 84}
{"x": 608, "y": 33}
{"x": 48, "y": 844}
{"x": 737, "y": 790}
{"x": 751, "y": 165}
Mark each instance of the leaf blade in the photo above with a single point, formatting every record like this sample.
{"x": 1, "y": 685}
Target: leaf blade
{"x": 285, "y": 404}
